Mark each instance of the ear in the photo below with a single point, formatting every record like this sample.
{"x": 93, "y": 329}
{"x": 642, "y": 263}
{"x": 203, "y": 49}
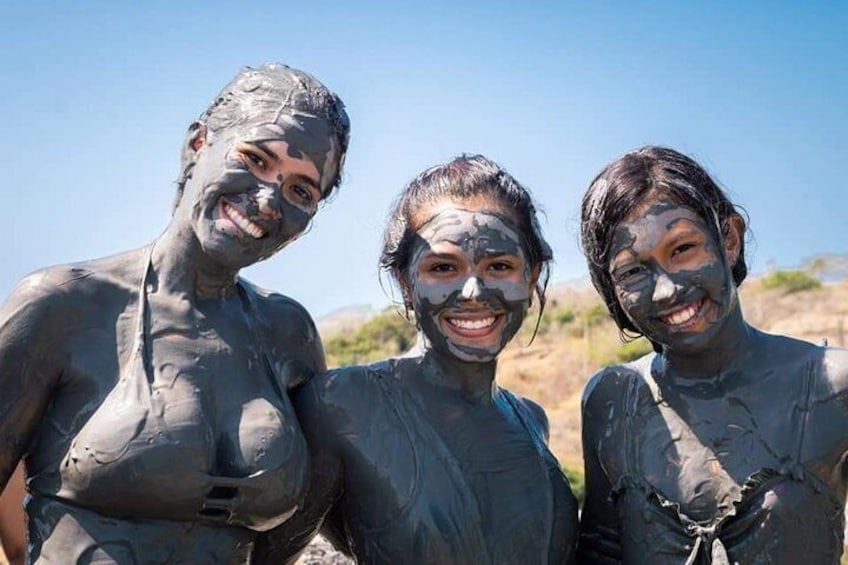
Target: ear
{"x": 734, "y": 237}
{"x": 195, "y": 138}
{"x": 534, "y": 275}
{"x": 534, "y": 279}
{"x": 405, "y": 288}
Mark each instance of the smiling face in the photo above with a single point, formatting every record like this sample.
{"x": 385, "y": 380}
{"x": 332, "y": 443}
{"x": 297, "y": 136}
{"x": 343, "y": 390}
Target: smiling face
{"x": 670, "y": 274}
{"x": 254, "y": 188}
{"x": 469, "y": 281}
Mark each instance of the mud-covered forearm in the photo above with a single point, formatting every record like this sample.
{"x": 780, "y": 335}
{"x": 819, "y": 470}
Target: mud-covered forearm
{"x": 599, "y": 541}
{"x": 600, "y": 531}
{"x": 285, "y": 543}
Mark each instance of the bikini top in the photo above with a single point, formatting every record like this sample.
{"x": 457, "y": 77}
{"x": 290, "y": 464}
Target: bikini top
{"x": 141, "y": 456}
{"x": 441, "y": 522}
{"x": 778, "y": 515}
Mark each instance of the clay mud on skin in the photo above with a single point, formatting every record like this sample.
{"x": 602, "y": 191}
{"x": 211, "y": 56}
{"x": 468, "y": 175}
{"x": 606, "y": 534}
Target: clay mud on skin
{"x": 423, "y": 458}
{"x": 646, "y": 290}
{"x": 285, "y": 106}
{"x": 479, "y": 235}
{"x": 308, "y": 137}
{"x": 149, "y": 391}
{"x": 727, "y": 446}
{"x": 227, "y": 178}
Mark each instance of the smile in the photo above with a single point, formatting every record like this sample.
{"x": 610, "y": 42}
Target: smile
{"x": 473, "y": 325}
{"x": 239, "y": 219}
{"x": 683, "y": 315}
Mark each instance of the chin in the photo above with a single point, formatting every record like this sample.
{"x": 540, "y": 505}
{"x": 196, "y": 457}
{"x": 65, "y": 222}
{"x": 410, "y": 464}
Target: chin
{"x": 472, "y": 355}
{"x": 229, "y": 254}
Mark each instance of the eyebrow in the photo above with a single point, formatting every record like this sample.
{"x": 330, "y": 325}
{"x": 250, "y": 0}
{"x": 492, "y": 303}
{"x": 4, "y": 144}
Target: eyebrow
{"x": 682, "y": 232}
{"x": 690, "y": 223}
{"x": 438, "y": 255}
{"x": 616, "y": 263}
{"x": 308, "y": 180}
{"x": 264, "y": 147}
{"x": 500, "y": 254}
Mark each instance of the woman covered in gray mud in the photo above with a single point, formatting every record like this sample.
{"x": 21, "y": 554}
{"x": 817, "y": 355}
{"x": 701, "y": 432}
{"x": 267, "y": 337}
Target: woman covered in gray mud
{"x": 424, "y": 458}
{"x": 148, "y": 392}
{"x": 725, "y": 445}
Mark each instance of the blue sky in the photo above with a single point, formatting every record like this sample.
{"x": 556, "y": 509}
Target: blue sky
{"x": 96, "y": 98}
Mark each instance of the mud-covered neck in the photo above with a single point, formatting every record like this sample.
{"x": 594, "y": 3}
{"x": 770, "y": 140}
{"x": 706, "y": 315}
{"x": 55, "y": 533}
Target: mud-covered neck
{"x": 179, "y": 265}
{"x": 474, "y": 381}
{"x": 737, "y": 344}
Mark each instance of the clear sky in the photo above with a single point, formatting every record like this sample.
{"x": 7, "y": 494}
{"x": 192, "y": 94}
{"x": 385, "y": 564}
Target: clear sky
{"x": 96, "y": 97}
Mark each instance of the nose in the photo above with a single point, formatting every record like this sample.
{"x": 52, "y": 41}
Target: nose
{"x": 663, "y": 288}
{"x": 471, "y": 289}
{"x": 265, "y": 198}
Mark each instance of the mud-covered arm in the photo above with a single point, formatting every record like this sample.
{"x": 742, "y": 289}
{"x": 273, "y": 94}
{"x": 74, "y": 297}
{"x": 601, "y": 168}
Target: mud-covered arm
{"x": 29, "y": 348}
{"x": 600, "y": 528}
{"x": 284, "y": 543}
{"x": 567, "y": 502}
{"x": 12, "y": 519}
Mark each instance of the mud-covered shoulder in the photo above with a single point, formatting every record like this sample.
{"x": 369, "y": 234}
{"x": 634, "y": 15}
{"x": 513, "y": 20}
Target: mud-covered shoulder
{"x": 346, "y": 389}
{"x": 53, "y": 293}
{"x": 338, "y": 402}
{"x": 291, "y": 331}
{"x": 284, "y": 314}
{"x": 534, "y": 412}
{"x": 796, "y": 358}
{"x": 84, "y": 280}
{"x": 611, "y": 383}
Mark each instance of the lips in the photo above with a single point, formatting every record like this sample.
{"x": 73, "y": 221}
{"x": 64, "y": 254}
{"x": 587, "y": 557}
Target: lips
{"x": 241, "y": 221}
{"x": 683, "y": 316}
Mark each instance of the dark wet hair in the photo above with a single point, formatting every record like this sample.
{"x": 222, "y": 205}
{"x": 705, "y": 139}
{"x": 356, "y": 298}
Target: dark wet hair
{"x": 466, "y": 176}
{"x": 623, "y": 184}
{"x": 274, "y": 89}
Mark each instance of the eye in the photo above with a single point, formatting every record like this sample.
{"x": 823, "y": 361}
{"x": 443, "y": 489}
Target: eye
{"x": 303, "y": 193}
{"x": 683, "y": 248}
{"x": 442, "y": 268}
{"x": 501, "y": 267}
{"x": 628, "y": 274}
{"x": 254, "y": 159}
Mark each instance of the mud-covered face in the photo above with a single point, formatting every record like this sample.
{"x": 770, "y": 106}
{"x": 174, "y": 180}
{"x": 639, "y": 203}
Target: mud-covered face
{"x": 469, "y": 282}
{"x": 253, "y": 189}
{"x": 670, "y": 275}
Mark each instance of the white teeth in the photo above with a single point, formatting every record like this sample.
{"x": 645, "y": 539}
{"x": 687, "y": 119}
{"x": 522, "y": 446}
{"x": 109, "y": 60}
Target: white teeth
{"x": 472, "y": 324}
{"x": 682, "y": 316}
{"x": 241, "y": 221}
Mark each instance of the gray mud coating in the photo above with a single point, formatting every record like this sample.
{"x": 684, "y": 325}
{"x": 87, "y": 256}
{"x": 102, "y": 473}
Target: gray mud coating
{"x": 148, "y": 392}
{"x": 279, "y": 101}
{"x": 479, "y": 235}
{"x": 650, "y": 287}
{"x": 218, "y": 175}
{"x": 424, "y": 458}
{"x": 725, "y": 446}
